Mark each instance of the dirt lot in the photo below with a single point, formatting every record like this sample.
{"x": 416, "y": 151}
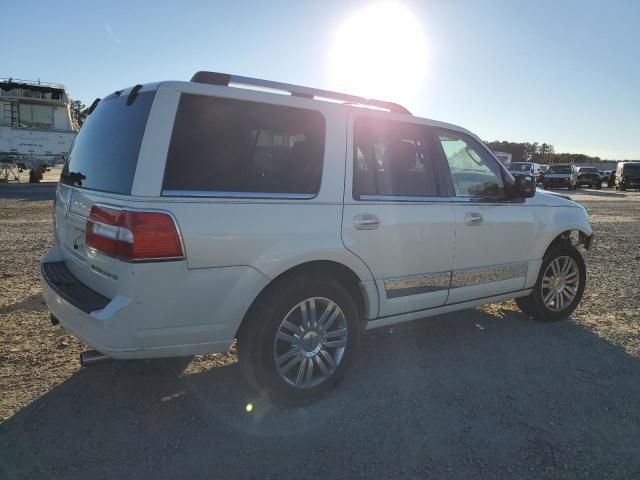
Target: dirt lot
{"x": 483, "y": 393}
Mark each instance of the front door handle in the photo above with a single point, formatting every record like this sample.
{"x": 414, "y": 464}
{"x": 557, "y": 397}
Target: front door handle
{"x": 366, "y": 221}
{"x": 473, "y": 218}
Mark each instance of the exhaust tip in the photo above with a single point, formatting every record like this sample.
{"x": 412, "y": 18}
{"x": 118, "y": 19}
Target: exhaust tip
{"x": 92, "y": 357}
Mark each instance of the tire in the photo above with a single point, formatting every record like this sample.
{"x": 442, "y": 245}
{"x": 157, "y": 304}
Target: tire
{"x": 311, "y": 366}
{"x": 534, "y": 305}
{"x": 599, "y": 186}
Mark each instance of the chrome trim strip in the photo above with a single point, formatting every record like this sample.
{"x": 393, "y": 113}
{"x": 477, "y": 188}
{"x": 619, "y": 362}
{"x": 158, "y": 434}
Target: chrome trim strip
{"x": 417, "y": 284}
{"x": 434, "y": 282}
{"x": 478, "y": 276}
{"x": 203, "y": 193}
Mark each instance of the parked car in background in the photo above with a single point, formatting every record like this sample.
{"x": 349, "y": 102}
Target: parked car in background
{"x": 291, "y": 224}
{"x": 525, "y": 168}
{"x": 611, "y": 180}
{"x": 628, "y": 175}
{"x": 560, "y": 176}
{"x": 589, "y": 176}
{"x": 604, "y": 175}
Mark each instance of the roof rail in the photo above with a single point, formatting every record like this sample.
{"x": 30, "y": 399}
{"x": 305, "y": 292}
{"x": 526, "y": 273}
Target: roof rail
{"x": 225, "y": 79}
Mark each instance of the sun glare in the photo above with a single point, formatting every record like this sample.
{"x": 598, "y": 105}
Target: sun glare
{"x": 380, "y": 52}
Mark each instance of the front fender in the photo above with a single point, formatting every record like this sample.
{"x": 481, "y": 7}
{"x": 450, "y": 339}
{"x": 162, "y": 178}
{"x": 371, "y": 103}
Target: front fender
{"x": 556, "y": 221}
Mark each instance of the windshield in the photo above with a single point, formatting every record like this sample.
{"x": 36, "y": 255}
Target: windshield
{"x": 631, "y": 169}
{"x": 104, "y": 155}
{"x": 559, "y": 169}
{"x": 520, "y": 167}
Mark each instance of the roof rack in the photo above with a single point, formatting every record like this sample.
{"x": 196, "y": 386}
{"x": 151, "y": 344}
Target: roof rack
{"x": 225, "y": 79}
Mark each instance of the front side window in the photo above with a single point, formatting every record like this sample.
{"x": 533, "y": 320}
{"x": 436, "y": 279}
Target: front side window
{"x": 223, "y": 145}
{"x": 473, "y": 171}
{"x": 389, "y": 158}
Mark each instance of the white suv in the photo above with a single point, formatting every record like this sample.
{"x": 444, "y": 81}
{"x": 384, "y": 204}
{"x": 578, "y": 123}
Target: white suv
{"x": 191, "y": 214}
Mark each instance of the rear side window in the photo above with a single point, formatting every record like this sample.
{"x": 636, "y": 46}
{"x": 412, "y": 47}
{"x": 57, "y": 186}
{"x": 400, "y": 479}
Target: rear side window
{"x": 389, "y": 158}
{"x": 105, "y": 152}
{"x": 233, "y": 146}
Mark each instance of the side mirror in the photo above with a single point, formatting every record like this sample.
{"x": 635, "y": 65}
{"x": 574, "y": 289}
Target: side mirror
{"x": 524, "y": 187}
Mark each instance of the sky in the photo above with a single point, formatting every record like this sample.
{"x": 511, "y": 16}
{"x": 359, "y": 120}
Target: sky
{"x": 564, "y": 72}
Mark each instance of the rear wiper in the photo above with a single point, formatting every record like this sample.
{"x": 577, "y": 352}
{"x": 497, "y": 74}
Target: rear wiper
{"x": 75, "y": 177}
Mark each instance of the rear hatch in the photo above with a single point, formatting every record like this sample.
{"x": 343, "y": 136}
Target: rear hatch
{"x": 100, "y": 169}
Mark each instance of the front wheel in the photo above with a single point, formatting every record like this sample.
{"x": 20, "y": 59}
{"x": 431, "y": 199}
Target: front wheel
{"x": 559, "y": 287}
{"x": 299, "y": 339}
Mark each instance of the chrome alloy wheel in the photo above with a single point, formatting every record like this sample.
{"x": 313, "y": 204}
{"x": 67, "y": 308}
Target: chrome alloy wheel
{"x": 310, "y": 342}
{"x": 560, "y": 283}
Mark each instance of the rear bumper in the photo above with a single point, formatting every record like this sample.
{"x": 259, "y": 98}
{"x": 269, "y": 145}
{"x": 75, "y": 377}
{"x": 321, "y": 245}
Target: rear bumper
{"x": 157, "y": 322}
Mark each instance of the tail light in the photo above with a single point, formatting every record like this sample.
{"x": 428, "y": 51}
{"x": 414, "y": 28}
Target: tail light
{"x": 133, "y": 235}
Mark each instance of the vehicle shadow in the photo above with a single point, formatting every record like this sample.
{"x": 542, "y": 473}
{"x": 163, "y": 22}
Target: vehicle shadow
{"x": 474, "y": 394}
{"x": 33, "y": 302}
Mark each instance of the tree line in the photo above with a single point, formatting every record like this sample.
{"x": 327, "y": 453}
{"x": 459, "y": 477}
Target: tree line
{"x": 538, "y": 152}
{"x": 78, "y": 112}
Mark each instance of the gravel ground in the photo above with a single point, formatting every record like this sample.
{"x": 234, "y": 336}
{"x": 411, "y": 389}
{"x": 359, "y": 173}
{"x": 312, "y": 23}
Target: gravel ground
{"x": 483, "y": 393}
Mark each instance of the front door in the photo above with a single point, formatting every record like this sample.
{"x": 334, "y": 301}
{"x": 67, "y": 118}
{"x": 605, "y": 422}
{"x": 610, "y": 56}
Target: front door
{"x": 396, "y": 217}
{"x": 493, "y": 235}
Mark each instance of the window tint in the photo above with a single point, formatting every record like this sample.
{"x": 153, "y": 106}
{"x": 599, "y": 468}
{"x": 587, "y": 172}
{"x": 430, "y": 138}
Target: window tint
{"x": 105, "y": 152}
{"x": 474, "y": 172}
{"x": 223, "y": 145}
{"x": 389, "y": 159}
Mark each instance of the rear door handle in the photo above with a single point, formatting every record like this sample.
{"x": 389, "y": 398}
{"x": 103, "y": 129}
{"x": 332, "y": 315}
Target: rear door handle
{"x": 473, "y": 218}
{"x": 366, "y": 221}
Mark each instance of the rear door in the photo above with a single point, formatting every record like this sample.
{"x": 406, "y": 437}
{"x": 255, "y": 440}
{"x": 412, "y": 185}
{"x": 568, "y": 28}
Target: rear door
{"x": 493, "y": 235}
{"x": 396, "y": 218}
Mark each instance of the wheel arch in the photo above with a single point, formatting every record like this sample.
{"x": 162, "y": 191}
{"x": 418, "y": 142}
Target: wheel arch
{"x": 573, "y": 236}
{"x": 365, "y": 299}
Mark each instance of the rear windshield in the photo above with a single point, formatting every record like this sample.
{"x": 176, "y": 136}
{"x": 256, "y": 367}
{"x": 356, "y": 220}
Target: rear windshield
{"x": 105, "y": 152}
{"x": 520, "y": 167}
{"x": 559, "y": 169}
{"x": 222, "y": 146}
{"x": 589, "y": 170}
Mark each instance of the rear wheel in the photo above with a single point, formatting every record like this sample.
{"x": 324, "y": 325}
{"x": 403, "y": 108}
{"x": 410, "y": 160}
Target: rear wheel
{"x": 299, "y": 339}
{"x": 559, "y": 287}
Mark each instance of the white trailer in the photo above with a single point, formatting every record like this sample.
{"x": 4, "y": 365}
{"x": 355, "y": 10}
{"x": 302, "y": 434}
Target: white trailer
{"x": 35, "y": 124}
